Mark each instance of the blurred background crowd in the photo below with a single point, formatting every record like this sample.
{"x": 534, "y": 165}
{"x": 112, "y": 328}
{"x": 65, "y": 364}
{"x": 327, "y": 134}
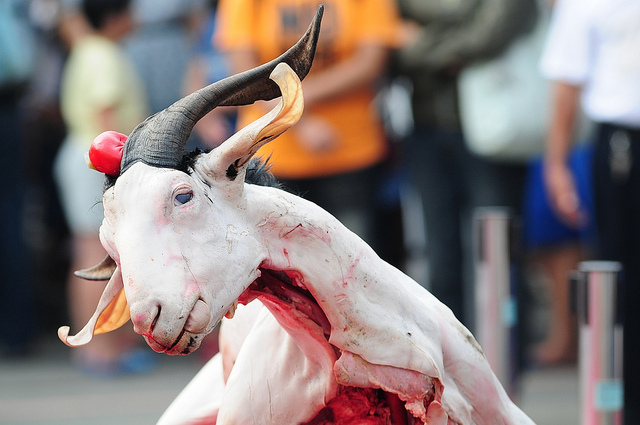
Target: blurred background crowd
{"x": 407, "y": 109}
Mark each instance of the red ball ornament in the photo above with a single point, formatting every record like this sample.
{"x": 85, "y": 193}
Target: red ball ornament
{"x": 105, "y": 153}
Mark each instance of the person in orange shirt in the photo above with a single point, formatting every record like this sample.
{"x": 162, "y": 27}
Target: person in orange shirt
{"x": 331, "y": 156}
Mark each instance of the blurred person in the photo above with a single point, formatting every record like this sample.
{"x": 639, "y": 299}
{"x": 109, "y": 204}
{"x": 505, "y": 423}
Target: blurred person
{"x": 208, "y": 65}
{"x": 72, "y": 24}
{"x": 439, "y": 39}
{"x": 161, "y": 45}
{"x": 333, "y": 154}
{"x": 554, "y": 249}
{"x": 100, "y": 91}
{"x": 592, "y": 58}
{"x": 44, "y": 131}
{"x": 16, "y": 67}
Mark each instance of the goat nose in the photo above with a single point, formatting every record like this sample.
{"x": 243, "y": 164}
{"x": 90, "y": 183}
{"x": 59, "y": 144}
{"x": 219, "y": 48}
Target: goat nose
{"x": 144, "y": 322}
{"x": 199, "y": 318}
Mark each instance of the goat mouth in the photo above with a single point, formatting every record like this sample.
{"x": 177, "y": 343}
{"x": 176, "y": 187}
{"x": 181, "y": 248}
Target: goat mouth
{"x": 282, "y": 290}
{"x": 285, "y": 291}
{"x": 184, "y": 344}
{"x": 186, "y": 341}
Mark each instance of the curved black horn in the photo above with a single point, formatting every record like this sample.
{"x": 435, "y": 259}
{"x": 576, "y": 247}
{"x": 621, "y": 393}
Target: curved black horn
{"x": 160, "y": 140}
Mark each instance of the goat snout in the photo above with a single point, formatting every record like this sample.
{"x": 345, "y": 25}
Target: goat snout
{"x": 145, "y": 320}
{"x": 169, "y": 331}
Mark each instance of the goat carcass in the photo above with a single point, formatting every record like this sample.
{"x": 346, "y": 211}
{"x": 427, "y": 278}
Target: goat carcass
{"x": 191, "y": 239}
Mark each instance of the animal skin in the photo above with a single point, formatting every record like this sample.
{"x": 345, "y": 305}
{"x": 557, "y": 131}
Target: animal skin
{"x": 350, "y": 329}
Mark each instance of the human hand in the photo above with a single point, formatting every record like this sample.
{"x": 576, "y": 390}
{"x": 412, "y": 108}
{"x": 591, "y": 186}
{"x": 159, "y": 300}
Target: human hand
{"x": 213, "y": 129}
{"x": 408, "y": 32}
{"x": 562, "y": 193}
{"x": 316, "y": 135}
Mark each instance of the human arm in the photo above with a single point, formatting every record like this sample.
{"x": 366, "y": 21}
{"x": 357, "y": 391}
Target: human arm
{"x": 449, "y": 38}
{"x": 72, "y": 26}
{"x": 358, "y": 71}
{"x": 559, "y": 181}
{"x": 566, "y": 63}
{"x": 214, "y": 128}
{"x": 354, "y": 42}
{"x": 107, "y": 118}
{"x": 315, "y": 134}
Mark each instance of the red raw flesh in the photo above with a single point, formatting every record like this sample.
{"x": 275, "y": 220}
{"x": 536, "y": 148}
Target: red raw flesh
{"x": 357, "y": 406}
{"x": 352, "y": 405}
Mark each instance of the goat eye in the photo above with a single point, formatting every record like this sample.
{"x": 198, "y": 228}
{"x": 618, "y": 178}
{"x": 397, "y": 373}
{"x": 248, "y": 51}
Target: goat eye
{"x": 183, "y": 198}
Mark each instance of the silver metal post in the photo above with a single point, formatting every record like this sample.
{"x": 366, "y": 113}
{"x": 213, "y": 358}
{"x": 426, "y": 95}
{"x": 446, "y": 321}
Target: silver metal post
{"x": 496, "y": 308}
{"x": 601, "y": 335}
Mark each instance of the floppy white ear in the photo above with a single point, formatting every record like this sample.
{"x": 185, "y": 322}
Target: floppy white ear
{"x": 230, "y": 158}
{"x": 111, "y": 313}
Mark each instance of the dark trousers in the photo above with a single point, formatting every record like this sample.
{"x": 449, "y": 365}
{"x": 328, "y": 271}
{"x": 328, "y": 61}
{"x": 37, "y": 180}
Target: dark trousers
{"x": 16, "y": 297}
{"x": 452, "y": 182}
{"x": 617, "y": 202}
{"x": 350, "y": 197}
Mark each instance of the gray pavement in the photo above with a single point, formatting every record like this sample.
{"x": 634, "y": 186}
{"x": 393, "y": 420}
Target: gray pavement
{"x": 44, "y": 389}
{"x": 551, "y": 396}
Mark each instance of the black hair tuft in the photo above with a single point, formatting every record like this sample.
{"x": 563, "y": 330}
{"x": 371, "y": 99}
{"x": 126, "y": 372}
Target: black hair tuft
{"x": 257, "y": 171}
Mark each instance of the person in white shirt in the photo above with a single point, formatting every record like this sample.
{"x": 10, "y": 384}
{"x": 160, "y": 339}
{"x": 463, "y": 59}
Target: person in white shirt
{"x": 593, "y": 58}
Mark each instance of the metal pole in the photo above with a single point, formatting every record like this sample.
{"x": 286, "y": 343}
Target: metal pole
{"x": 601, "y": 335}
{"x": 496, "y": 308}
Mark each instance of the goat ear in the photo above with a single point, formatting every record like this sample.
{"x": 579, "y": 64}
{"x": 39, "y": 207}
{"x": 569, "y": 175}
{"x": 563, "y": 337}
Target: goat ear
{"x": 229, "y": 160}
{"x": 111, "y": 313}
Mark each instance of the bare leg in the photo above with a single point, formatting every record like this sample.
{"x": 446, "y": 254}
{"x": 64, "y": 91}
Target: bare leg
{"x": 560, "y": 345}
